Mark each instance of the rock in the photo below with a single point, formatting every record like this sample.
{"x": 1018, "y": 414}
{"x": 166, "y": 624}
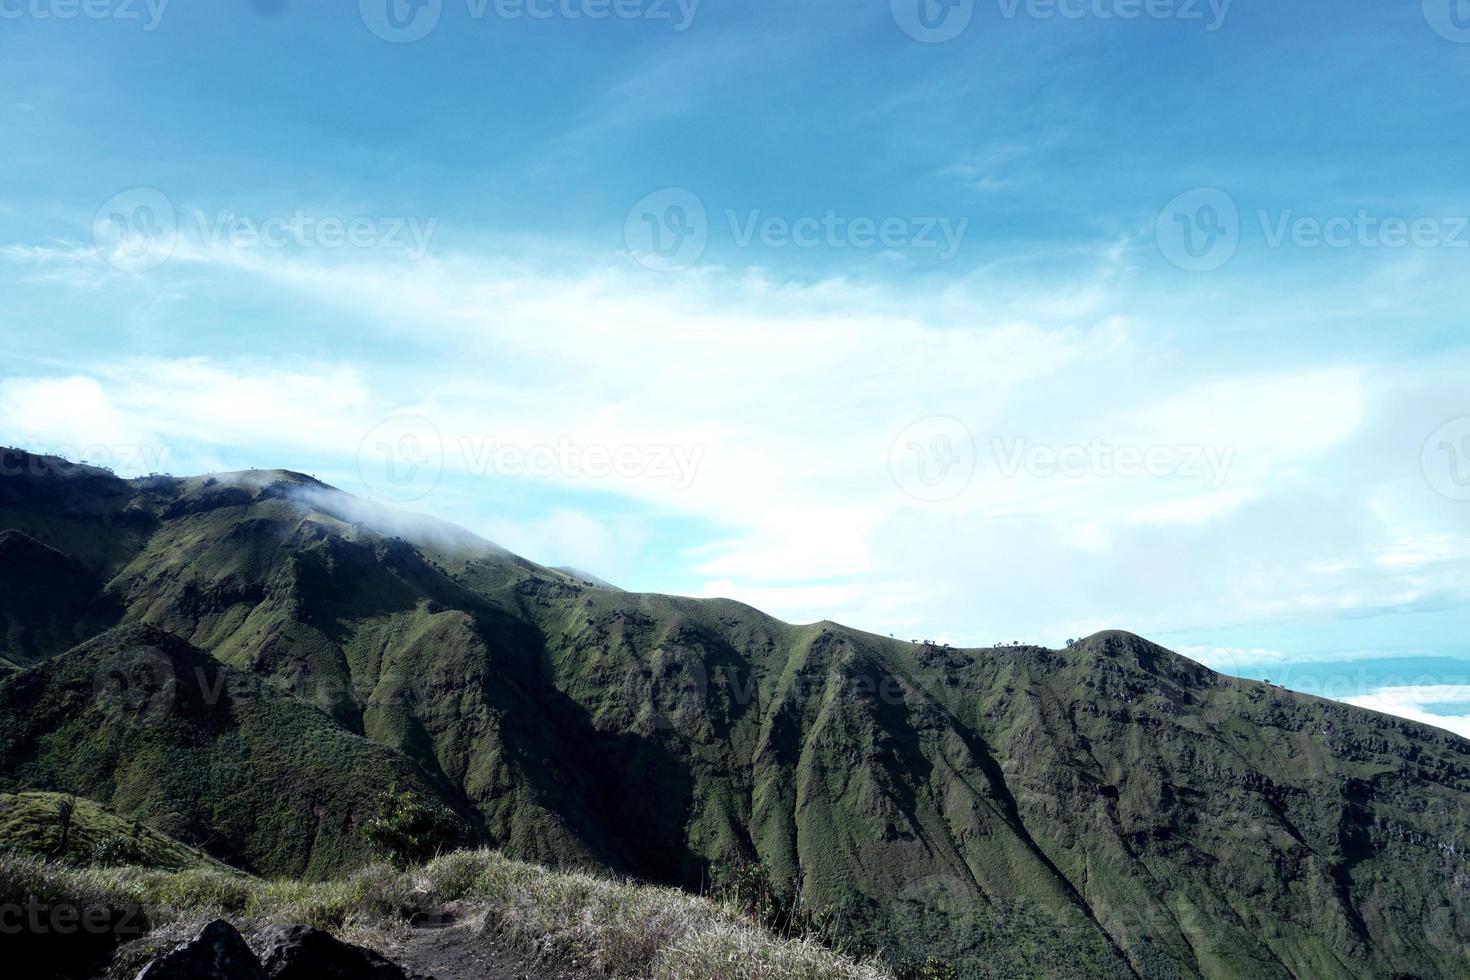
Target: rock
{"x": 304, "y": 953}
{"x": 217, "y": 953}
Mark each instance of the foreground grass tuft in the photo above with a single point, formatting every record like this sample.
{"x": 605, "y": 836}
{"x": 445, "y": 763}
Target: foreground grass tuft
{"x": 612, "y": 928}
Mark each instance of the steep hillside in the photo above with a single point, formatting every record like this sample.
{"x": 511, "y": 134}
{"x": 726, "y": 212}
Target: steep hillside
{"x": 1108, "y": 810}
{"x": 165, "y": 735}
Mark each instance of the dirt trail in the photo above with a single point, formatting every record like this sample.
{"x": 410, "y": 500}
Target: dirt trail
{"x": 466, "y": 950}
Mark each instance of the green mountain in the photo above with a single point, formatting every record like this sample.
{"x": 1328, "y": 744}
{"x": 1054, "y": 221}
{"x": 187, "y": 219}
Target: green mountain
{"x": 1111, "y": 809}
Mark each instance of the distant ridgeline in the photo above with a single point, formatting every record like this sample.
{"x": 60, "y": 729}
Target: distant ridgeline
{"x": 243, "y": 662}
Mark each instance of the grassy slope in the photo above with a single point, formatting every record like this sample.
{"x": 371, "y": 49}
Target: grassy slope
{"x": 1107, "y": 809}
{"x": 31, "y": 824}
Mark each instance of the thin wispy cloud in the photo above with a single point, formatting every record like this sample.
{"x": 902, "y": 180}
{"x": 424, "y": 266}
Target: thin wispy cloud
{"x": 1228, "y": 526}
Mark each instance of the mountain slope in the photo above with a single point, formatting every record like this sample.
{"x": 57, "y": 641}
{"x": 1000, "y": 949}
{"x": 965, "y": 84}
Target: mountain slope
{"x": 32, "y": 824}
{"x": 1110, "y": 809}
{"x": 144, "y": 723}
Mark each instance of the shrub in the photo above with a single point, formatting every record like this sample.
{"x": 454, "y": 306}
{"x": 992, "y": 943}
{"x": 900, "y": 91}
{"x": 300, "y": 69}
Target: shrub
{"x": 462, "y": 874}
{"x": 66, "y": 808}
{"x": 931, "y": 969}
{"x": 749, "y": 889}
{"x": 409, "y": 830}
{"x": 114, "y": 850}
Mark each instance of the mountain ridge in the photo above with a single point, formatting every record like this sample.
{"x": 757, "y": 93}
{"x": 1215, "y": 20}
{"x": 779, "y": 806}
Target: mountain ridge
{"x": 1111, "y": 809}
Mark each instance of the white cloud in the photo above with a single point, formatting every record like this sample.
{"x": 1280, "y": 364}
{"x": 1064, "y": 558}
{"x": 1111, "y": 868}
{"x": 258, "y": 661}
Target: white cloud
{"x": 70, "y": 415}
{"x": 1410, "y": 703}
{"x": 1233, "y": 661}
{"x": 567, "y": 536}
{"x": 793, "y": 394}
{"x": 799, "y": 603}
{"x": 168, "y": 403}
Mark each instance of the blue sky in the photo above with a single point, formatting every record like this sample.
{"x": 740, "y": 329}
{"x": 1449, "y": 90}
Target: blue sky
{"x": 1011, "y": 321}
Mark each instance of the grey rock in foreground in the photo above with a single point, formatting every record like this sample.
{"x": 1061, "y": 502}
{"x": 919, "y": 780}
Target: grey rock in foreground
{"x": 304, "y": 953}
{"x": 217, "y": 953}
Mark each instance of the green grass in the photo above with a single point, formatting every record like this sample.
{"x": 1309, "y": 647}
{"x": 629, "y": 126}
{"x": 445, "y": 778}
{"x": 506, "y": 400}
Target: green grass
{"x": 32, "y": 824}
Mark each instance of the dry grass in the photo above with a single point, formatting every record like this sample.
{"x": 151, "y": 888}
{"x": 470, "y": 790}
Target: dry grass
{"x": 613, "y": 928}
{"x": 737, "y": 951}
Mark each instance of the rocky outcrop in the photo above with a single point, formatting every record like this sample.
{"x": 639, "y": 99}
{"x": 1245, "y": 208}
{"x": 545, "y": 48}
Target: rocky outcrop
{"x": 217, "y": 953}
